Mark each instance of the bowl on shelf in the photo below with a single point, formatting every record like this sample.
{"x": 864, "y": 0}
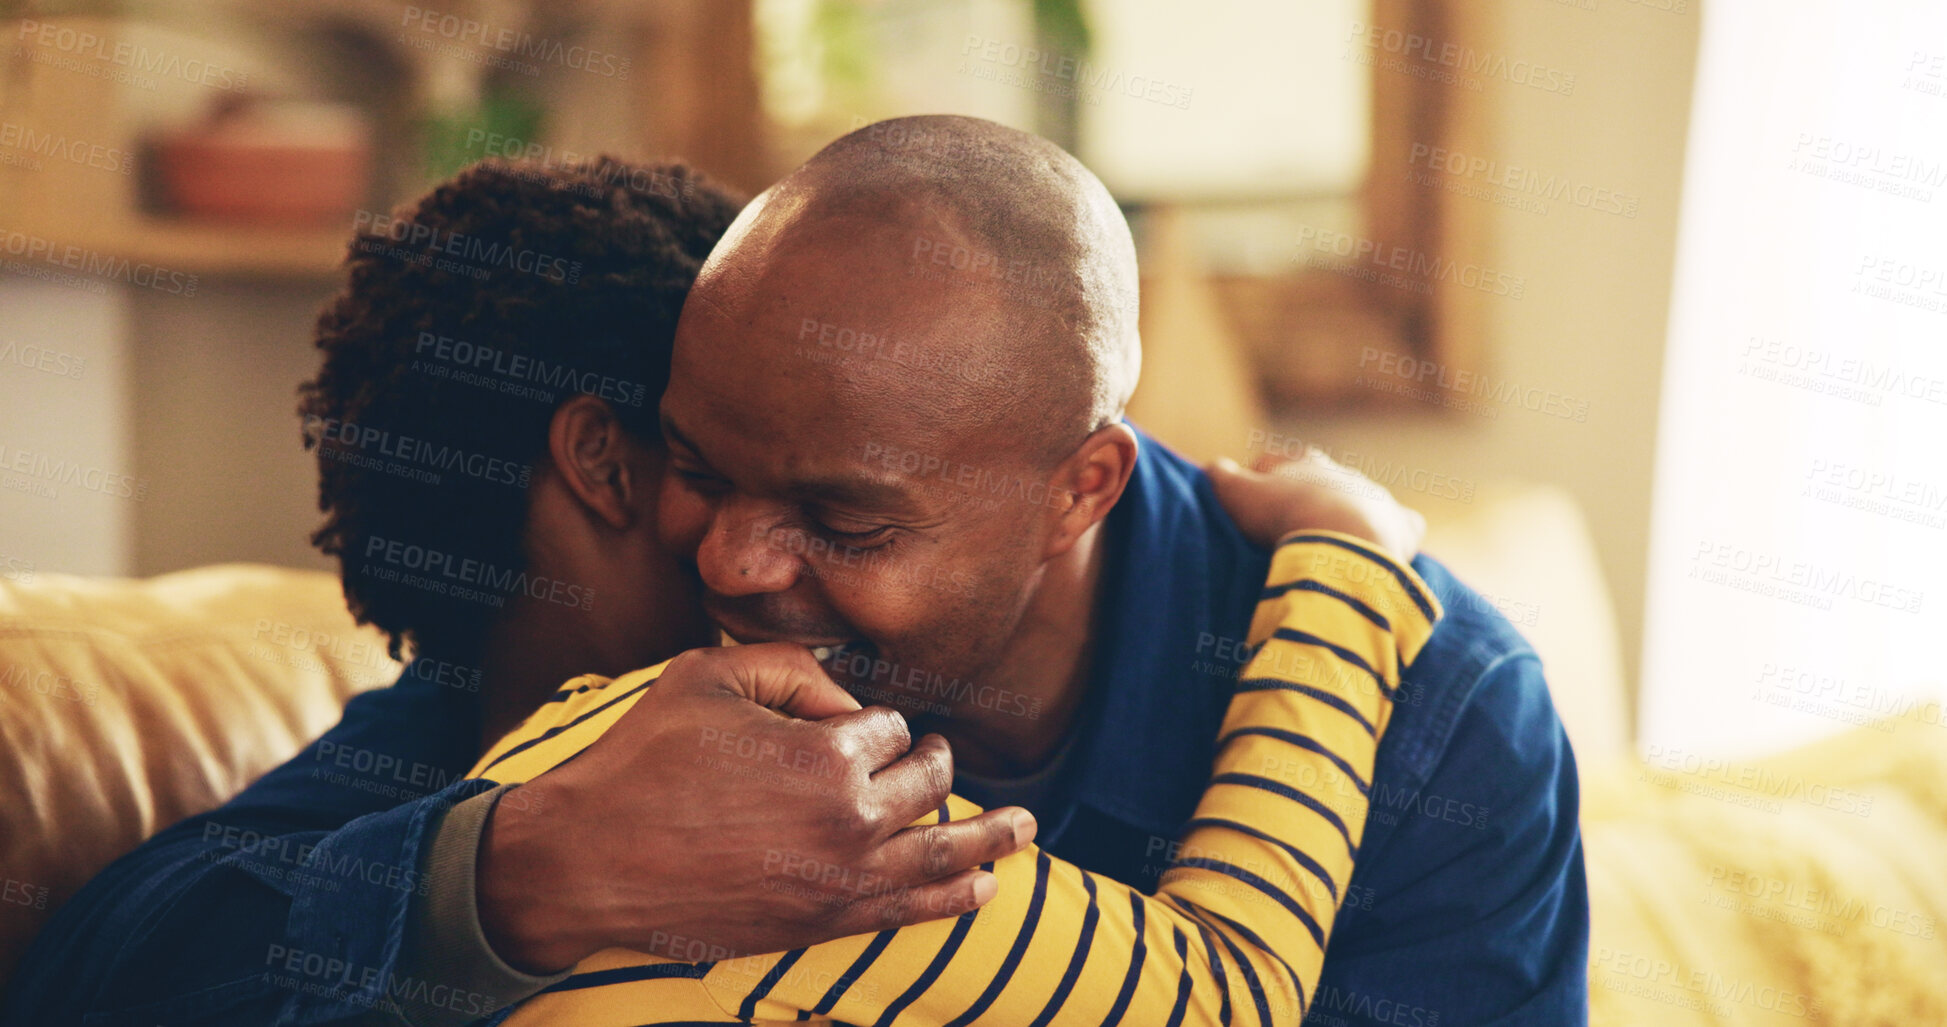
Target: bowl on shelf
{"x": 267, "y": 163}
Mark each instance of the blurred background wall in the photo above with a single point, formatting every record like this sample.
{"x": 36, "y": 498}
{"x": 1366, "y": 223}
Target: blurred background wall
{"x": 1258, "y": 337}
{"x": 1591, "y": 323}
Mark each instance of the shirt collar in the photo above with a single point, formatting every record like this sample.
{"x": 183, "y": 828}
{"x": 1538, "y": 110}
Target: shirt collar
{"x": 1179, "y": 585}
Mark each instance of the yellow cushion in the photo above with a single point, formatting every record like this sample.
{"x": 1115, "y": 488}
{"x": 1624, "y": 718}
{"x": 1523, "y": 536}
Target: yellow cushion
{"x": 1807, "y": 887}
{"x": 126, "y": 705}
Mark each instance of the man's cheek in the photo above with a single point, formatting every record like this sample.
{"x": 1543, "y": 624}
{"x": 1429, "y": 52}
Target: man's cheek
{"x": 682, "y": 516}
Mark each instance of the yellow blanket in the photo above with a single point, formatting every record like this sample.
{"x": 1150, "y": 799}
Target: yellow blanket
{"x": 1809, "y": 887}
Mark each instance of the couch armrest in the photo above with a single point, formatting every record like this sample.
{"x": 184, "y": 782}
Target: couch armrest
{"x": 126, "y": 705}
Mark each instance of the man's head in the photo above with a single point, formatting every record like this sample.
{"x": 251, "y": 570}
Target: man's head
{"x": 897, "y": 390}
{"x": 485, "y": 417}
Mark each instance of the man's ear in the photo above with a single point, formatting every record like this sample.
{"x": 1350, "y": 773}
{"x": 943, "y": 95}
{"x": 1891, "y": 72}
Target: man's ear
{"x": 1088, "y": 483}
{"x": 595, "y": 458}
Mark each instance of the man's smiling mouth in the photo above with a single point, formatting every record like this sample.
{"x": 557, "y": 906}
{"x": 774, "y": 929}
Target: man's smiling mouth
{"x": 832, "y": 654}
{"x": 839, "y": 653}
{"x": 853, "y": 664}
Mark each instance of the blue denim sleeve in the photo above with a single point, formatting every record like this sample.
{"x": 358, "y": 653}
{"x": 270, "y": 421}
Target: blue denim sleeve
{"x": 1469, "y": 905}
{"x": 286, "y": 905}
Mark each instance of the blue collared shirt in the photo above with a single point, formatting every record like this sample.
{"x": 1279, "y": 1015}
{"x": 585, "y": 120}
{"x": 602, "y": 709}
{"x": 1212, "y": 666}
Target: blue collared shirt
{"x": 288, "y": 904}
{"x": 1468, "y": 904}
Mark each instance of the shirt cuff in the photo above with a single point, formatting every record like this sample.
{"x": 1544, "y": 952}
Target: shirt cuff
{"x": 464, "y": 979}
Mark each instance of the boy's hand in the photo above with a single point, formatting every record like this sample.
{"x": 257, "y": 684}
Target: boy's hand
{"x": 1314, "y": 493}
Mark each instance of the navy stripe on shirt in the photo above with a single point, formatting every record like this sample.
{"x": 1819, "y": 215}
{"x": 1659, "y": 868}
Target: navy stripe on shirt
{"x": 1251, "y": 981}
{"x": 626, "y": 974}
{"x": 1280, "y": 788}
{"x": 748, "y": 1010}
{"x": 1405, "y": 583}
{"x": 558, "y": 728}
{"x": 1184, "y": 983}
{"x": 854, "y": 972}
{"x": 1251, "y": 936}
{"x": 567, "y": 693}
{"x": 962, "y": 924}
{"x": 1280, "y": 685}
{"x": 1307, "y": 638}
{"x": 1275, "y": 893}
{"x": 1020, "y": 948}
{"x": 1303, "y": 742}
{"x": 1308, "y": 585}
{"x": 1138, "y": 952}
{"x": 1298, "y": 855}
{"x": 1082, "y": 944}
{"x": 1216, "y": 969}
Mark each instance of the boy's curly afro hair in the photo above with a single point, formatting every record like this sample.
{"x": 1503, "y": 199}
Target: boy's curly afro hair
{"x": 468, "y": 317}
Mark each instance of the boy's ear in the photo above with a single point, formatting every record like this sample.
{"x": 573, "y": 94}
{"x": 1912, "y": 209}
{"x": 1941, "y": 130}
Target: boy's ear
{"x": 594, "y": 456}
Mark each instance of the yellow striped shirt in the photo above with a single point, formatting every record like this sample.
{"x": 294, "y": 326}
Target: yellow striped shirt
{"x": 1236, "y": 931}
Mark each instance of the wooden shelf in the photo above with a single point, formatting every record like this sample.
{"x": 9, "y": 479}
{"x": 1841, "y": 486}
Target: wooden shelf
{"x": 99, "y": 211}
{"x": 205, "y": 248}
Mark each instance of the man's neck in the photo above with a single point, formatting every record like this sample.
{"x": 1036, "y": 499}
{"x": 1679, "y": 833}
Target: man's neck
{"x": 1044, "y": 674}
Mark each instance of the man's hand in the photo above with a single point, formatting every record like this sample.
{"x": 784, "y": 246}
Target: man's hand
{"x": 703, "y": 825}
{"x": 1314, "y": 493}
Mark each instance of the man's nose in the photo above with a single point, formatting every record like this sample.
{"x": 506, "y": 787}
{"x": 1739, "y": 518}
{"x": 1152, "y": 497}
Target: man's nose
{"x": 745, "y": 552}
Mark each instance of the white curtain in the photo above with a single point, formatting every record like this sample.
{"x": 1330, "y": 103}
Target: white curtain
{"x": 1798, "y": 559}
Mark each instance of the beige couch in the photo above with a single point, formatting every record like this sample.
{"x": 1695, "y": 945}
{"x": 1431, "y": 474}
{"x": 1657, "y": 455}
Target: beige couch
{"x": 1718, "y": 899}
{"x": 128, "y": 705}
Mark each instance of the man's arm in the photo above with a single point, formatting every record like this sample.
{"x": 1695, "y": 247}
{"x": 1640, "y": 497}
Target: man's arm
{"x": 1237, "y": 930}
{"x": 657, "y": 834}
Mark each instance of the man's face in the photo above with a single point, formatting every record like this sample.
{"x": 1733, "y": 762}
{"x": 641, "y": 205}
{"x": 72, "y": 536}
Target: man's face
{"x": 830, "y": 489}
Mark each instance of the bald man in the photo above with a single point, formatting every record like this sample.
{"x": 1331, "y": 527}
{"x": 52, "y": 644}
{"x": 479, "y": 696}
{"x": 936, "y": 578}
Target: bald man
{"x": 970, "y": 508}
{"x": 1000, "y": 540}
